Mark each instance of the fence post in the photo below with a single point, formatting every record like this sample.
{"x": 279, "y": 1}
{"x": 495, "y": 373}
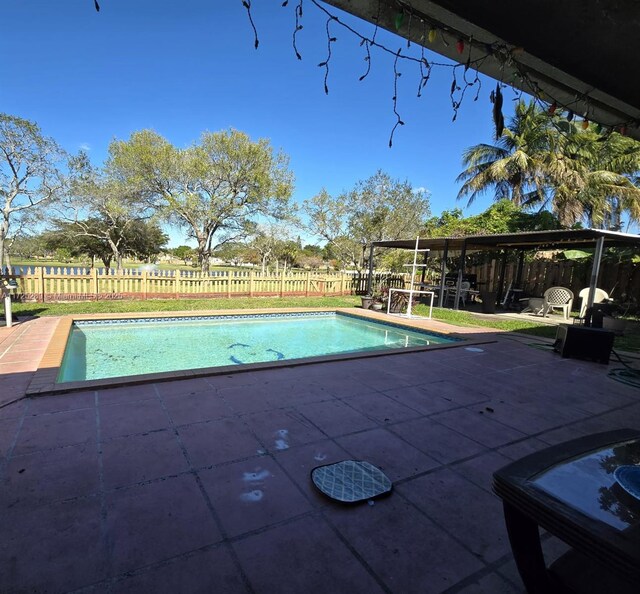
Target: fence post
{"x": 41, "y": 288}
{"x": 341, "y": 282}
{"x": 94, "y": 282}
{"x": 307, "y": 285}
{"x": 228, "y": 284}
{"x": 251, "y": 281}
{"x": 282, "y": 285}
{"x": 144, "y": 284}
{"x": 176, "y": 282}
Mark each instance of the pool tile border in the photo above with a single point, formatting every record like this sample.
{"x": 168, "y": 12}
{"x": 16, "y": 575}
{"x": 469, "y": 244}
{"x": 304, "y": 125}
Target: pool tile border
{"x": 44, "y": 380}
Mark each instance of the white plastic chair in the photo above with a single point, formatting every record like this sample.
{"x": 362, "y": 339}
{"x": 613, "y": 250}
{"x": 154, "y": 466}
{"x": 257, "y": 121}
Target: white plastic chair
{"x": 598, "y": 297}
{"x": 465, "y": 287}
{"x": 558, "y": 298}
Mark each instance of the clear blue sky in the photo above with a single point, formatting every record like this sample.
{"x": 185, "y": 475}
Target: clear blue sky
{"x": 183, "y": 67}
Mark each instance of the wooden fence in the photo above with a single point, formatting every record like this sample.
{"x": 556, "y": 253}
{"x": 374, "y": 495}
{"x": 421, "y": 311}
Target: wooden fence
{"x": 91, "y": 284}
{"x": 621, "y": 281}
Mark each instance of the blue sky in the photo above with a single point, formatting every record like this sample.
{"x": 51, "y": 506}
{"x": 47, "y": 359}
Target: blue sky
{"x": 183, "y": 67}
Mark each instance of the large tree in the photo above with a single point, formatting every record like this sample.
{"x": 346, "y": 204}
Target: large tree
{"x": 215, "y": 189}
{"x": 543, "y": 161}
{"x": 377, "y": 208}
{"x": 32, "y": 173}
{"x": 102, "y": 210}
{"x": 97, "y": 237}
{"x": 515, "y": 167}
{"x": 594, "y": 177}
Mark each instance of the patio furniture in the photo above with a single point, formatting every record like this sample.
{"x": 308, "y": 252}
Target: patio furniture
{"x": 599, "y": 297}
{"x": 534, "y": 305}
{"x": 452, "y": 291}
{"x": 577, "y": 492}
{"x": 558, "y": 298}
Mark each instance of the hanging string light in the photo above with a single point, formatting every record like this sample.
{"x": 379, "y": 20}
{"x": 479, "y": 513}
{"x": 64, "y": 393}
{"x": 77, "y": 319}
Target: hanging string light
{"x": 402, "y": 17}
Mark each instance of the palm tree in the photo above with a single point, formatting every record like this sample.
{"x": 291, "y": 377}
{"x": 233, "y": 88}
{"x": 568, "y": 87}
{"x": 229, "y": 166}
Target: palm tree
{"x": 543, "y": 160}
{"x": 594, "y": 177}
{"x": 516, "y": 166}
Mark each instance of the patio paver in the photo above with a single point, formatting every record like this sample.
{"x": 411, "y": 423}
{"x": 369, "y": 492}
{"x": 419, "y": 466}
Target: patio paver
{"x": 153, "y": 487}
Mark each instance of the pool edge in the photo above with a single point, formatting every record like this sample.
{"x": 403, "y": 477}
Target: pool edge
{"x": 44, "y": 379}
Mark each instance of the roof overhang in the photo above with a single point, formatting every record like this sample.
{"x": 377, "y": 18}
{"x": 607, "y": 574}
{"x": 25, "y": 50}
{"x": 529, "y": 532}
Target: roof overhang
{"x": 532, "y": 240}
{"x": 584, "y": 54}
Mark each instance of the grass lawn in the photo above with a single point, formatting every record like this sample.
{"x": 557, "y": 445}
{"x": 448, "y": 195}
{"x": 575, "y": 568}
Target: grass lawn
{"x": 629, "y": 342}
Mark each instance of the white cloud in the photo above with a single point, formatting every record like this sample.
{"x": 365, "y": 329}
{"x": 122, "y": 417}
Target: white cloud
{"x": 85, "y": 146}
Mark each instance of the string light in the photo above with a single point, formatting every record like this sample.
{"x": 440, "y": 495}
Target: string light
{"x": 298, "y": 27}
{"x": 247, "y": 5}
{"x": 396, "y": 76}
{"x": 403, "y": 16}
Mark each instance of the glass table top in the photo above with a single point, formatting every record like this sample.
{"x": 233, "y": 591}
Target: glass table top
{"x": 587, "y": 484}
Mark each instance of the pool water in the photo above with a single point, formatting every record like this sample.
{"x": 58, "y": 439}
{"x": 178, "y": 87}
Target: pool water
{"x": 114, "y": 348}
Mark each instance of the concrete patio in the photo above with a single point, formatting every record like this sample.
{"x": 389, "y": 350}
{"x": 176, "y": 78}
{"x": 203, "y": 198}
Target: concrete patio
{"x": 203, "y": 485}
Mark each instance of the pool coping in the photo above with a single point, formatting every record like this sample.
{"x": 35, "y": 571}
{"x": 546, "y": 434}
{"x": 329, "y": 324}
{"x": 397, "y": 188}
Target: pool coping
{"x": 44, "y": 380}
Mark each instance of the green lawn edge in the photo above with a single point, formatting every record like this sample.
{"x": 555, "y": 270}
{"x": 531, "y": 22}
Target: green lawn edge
{"x": 629, "y": 342}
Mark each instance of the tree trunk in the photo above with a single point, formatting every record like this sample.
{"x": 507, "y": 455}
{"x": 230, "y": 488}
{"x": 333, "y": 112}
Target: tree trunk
{"x": 4, "y": 231}
{"x": 204, "y": 262}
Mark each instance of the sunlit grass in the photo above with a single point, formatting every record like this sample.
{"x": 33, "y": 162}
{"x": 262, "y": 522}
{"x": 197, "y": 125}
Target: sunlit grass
{"x": 629, "y": 342}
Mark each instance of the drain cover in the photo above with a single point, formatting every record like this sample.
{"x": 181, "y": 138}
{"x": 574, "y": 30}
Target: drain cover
{"x": 350, "y": 481}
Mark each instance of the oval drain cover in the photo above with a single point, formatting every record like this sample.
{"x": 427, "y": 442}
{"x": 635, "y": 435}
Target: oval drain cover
{"x": 350, "y": 481}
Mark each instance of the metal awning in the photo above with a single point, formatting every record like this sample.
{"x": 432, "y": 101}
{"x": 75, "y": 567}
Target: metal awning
{"x": 524, "y": 241}
{"x": 527, "y": 240}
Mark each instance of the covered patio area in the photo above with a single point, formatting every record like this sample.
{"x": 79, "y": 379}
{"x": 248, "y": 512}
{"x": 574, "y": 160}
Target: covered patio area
{"x": 503, "y": 245}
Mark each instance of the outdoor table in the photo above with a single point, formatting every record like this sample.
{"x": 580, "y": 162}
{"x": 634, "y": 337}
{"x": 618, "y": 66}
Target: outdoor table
{"x": 570, "y": 491}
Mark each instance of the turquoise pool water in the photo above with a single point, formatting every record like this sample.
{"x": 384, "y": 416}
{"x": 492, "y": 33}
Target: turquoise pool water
{"x": 113, "y": 348}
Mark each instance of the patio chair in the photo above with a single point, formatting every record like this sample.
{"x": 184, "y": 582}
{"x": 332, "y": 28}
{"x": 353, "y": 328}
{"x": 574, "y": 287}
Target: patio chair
{"x": 465, "y": 287}
{"x": 598, "y": 297}
{"x": 557, "y": 298}
{"x": 534, "y": 305}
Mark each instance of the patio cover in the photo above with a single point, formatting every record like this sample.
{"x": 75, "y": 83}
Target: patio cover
{"x": 528, "y": 240}
{"x": 583, "y": 53}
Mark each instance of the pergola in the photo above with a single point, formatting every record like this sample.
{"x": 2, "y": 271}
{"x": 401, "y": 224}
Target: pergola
{"x": 519, "y": 242}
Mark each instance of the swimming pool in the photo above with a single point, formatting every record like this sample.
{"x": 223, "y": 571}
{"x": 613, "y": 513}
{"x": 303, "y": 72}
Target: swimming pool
{"x": 98, "y": 349}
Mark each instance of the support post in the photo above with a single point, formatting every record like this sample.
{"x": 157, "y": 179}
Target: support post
{"x": 229, "y": 284}
{"x": 424, "y": 268}
{"x": 282, "y": 284}
{"x": 94, "y": 282}
{"x": 251, "y": 282}
{"x": 307, "y": 284}
{"x": 370, "y": 277}
{"x": 519, "y": 270}
{"x": 41, "y": 291}
{"x": 7, "y": 309}
{"x": 595, "y": 271}
{"x": 176, "y": 282}
{"x": 443, "y": 272}
{"x": 503, "y": 269}
{"x": 463, "y": 255}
